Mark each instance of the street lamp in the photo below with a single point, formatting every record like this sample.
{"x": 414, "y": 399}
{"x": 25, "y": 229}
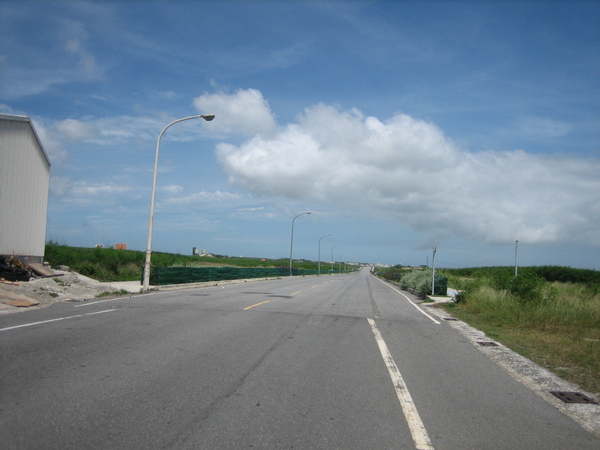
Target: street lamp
{"x": 292, "y": 239}
{"x": 146, "y": 282}
{"x": 336, "y": 245}
{"x": 319, "y": 272}
{"x": 516, "y": 258}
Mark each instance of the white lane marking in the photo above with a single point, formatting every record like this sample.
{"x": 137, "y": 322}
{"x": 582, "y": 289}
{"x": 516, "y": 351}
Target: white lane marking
{"x": 117, "y": 299}
{"x": 415, "y": 424}
{"x": 100, "y": 312}
{"x": 54, "y": 320}
{"x": 411, "y": 302}
{"x": 96, "y": 302}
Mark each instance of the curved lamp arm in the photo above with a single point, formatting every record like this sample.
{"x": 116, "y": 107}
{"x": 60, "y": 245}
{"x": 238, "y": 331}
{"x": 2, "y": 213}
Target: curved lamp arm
{"x": 292, "y": 239}
{"x": 146, "y": 282}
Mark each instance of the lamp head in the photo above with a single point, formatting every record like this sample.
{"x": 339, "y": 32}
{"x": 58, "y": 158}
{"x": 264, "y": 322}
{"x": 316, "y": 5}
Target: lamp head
{"x": 208, "y": 117}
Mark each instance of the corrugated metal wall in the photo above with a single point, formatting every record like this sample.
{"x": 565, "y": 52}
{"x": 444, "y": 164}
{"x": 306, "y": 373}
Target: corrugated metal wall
{"x": 24, "y": 182}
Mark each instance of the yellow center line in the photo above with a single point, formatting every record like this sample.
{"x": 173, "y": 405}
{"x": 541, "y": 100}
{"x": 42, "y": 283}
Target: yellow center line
{"x": 267, "y": 301}
{"x": 316, "y": 285}
{"x": 257, "y": 304}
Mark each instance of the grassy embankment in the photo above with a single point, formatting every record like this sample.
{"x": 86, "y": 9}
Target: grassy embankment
{"x": 549, "y": 314}
{"x": 108, "y": 264}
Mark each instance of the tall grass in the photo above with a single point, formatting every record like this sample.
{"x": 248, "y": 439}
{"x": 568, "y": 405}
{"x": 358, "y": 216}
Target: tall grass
{"x": 559, "y": 329}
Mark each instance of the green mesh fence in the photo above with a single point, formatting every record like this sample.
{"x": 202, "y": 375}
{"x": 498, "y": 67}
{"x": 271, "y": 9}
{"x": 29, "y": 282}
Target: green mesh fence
{"x": 182, "y": 275}
{"x": 441, "y": 285}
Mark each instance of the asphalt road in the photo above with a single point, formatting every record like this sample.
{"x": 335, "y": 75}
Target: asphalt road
{"x": 308, "y": 362}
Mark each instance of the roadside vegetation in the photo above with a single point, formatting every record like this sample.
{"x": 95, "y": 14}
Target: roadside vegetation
{"x": 109, "y": 264}
{"x": 549, "y": 314}
{"x": 418, "y": 281}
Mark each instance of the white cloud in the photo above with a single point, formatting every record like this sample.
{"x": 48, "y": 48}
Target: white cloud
{"x": 542, "y": 128}
{"x": 26, "y": 81}
{"x": 75, "y": 130}
{"x": 5, "y": 109}
{"x": 126, "y": 129}
{"x": 51, "y": 142}
{"x": 204, "y": 197}
{"x": 406, "y": 170}
{"x": 59, "y": 185}
{"x": 55, "y": 54}
{"x": 81, "y": 192}
{"x": 86, "y": 60}
{"x": 85, "y": 189}
{"x": 245, "y": 112}
{"x": 119, "y": 130}
{"x": 171, "y": 189}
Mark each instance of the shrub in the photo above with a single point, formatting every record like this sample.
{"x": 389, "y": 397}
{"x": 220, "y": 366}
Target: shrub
{"x": 527, "y": 288}
{"x": 419, "y": 282}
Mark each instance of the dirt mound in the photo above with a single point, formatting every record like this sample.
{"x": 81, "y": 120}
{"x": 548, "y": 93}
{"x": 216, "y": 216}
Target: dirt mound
{"x": 65, "y": 286}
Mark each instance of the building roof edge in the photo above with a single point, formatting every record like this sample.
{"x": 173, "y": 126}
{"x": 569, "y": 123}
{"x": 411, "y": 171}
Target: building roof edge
{"x": 27, "y": 119}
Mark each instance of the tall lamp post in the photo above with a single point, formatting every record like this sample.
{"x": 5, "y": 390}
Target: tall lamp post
{"x": 292, "y": 239}
{"x": 433, "y": 272}
{"x": 146, "y": 282}
{"x": 319, "y": 271}
{"x": 516, "y": 258}
{"x": 336, "y": 245}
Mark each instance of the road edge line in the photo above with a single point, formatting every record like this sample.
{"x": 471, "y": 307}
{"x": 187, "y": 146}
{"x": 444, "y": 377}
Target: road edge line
{"x": 415, "y": 424}
{"x": 411, "y": 302}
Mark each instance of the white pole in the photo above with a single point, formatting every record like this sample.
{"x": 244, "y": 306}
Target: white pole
{"x": 516, "y": 258}
{"x": 292, "y": 238}
{"x": 319, "y": 271}
{"x": 433, "y": 277}
{"x": 336, "y": 245}
{"x": 146, "y": 282}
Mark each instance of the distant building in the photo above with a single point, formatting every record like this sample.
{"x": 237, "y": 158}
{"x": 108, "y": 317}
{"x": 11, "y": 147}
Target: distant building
{"x": 24, "y": 184}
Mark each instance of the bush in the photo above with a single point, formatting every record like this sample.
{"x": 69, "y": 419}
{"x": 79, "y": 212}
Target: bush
{"x": 423, "y": 286}
{"x": 410, "y": 280}
{"x": 502, "y": 275}
{"x": 527, "y": 288}
{"x": 419, "y": 282}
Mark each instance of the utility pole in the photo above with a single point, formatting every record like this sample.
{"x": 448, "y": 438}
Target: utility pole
{"x": 433, "y": 277}
{"x": 516, "y": 258}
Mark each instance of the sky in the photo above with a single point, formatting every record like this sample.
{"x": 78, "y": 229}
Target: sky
{"x": 401, "y": 125}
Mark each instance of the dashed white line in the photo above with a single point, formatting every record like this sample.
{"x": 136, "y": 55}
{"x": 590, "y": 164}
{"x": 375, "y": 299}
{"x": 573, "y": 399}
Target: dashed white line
{"x": 116, "y": 299}
{"x": 54, "y": 320}
{"x": 98, "y": 301}
{"x": 415, "y": 424}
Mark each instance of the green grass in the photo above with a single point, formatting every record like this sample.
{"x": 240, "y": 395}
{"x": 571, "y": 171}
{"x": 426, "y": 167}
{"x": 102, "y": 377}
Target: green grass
{"x": 113, "y": 293}
{"x": 107, "y": 264}
{"x": 560, "y": 331}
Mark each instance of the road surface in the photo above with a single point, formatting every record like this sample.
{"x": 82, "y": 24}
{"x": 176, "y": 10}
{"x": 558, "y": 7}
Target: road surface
{"x": 327, "y": 362}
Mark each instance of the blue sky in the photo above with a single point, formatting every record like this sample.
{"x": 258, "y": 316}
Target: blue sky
{"x": 401, "y": 125}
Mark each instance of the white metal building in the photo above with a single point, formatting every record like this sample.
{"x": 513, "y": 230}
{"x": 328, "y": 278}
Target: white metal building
{"x": 24, "y": 184}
